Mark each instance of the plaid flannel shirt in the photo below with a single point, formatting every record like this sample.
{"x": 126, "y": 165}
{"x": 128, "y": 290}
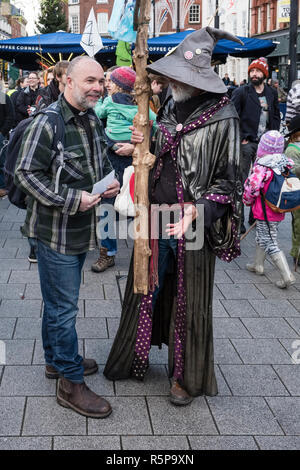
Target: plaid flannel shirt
{"x": 59, "y": 224}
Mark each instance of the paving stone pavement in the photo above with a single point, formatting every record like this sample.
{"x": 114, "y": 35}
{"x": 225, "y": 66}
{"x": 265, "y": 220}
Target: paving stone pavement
{"x": 257, "y": 347}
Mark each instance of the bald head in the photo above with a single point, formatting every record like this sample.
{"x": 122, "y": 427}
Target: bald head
{"x": 85, "y": 83}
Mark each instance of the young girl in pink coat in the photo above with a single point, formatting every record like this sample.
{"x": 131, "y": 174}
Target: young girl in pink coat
{"x": 270, "y": 159}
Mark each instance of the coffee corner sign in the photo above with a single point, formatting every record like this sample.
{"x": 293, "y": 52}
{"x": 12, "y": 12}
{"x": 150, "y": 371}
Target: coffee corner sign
{"x": 13, "y": 47}
{"x": 284, "y": 10}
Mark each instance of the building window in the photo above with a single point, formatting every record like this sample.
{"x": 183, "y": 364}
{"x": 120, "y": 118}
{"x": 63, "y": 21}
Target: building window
{"x": 102, "y": 19}
{"x": 75, "y": 24}
{"x": 259, "y": 20}
{"x": 194, "y": 16}
{"x": 74, "y": 1}
{"x": 102, "y": 1}
{"x": 269, "y": 17}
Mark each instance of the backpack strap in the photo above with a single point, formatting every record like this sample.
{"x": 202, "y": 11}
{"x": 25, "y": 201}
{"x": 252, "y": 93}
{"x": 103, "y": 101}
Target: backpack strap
{"x": 57, "y": 123}
{"x": 263, "y": 205}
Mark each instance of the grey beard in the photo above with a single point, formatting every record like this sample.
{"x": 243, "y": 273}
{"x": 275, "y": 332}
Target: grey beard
{"x": 182, "y": 94}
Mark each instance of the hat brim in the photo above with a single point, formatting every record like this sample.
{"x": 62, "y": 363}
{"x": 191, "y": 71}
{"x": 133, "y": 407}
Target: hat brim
{"x": 202, "y": 78}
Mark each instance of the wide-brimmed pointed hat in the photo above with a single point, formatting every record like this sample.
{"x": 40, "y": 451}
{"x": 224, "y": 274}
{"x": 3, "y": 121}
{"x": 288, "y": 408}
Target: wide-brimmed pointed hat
{"x": 190, "y": 61}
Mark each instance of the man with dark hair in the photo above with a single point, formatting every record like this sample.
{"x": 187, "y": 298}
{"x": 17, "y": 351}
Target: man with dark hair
{"x": 258, "y": 109}
{"x": 197, "y": 163}
{"x": 27, "y": 97}
{"x": 50, "y": 93}
{"x": 66, "y": 224}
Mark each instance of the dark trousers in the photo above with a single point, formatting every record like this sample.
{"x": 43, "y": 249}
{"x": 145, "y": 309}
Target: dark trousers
{"x": 248, "y": 156}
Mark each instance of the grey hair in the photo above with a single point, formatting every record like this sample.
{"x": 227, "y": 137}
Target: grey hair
{"x": 73, "y": 64}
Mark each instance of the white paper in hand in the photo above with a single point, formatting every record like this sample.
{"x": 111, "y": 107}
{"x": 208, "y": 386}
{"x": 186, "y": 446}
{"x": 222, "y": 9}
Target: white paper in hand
{"x": 101, "y": 186}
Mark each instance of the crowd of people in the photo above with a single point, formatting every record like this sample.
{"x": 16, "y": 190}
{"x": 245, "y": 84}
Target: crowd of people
{"x": 211, "y": 151}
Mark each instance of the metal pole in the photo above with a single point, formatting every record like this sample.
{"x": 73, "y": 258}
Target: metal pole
{"x": 217, "y": 18}
{"x": 178, "y": 17}
{"x": 293, "y": 43}
{"x": 154, "y": 34}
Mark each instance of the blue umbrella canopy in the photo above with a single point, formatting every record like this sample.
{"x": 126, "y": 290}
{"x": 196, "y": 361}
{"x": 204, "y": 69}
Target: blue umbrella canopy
{"x": 27, "y": 51}
{"x": 252, "y": 47}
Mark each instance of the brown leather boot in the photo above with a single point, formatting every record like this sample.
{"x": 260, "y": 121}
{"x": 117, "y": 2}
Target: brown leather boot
{"x": 179, "y": 396}
{"x": 90, "y": 367}
{"x": 103, "y": 262}
{"x": 81, "y": 399}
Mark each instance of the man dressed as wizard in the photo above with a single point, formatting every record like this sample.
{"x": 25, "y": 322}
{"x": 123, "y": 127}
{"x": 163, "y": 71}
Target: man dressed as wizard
{"x": 197, "y": 162}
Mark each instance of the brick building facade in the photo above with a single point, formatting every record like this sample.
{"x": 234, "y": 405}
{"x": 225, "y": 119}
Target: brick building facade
{"x": 78, "y": 12}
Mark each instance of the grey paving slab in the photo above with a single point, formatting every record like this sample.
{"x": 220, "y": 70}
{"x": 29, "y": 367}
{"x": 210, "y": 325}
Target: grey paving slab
{"x": 222, "y": 443}
{"x": 295, "y": 324}
{"x": 98, "y": 349}
{"x": 7, "y": 326}
{"x": 217, "y": 294}
{"x": 16, "y": 244}
{"x": 223, "y": 389}
{"x": 261, "y": 351}
{"x": 269, "y": 327}
{"x": 218, "y": 310}
{"x": 99, "y": 384}
{"x": 25, "y": 381}
{"x": 33, "y": 291}
{"x": 4, "y": 276}
{"x": 296, "y": 304}
{"x": 292, "y": 346}
{"x": 11, "y": 291}
{"x": 87, "y": 443}
{"x": 25, "y": 443}
{"x": 275, "y": 308}
{"x": 107, "y": 277}
{"x": 287, "y": 412}
{"x": 155, "y": 443}
{"x": 158, "y": 356}
{"x": 240, "y": 415}
{"x": 6, "y": 225}
{"x": 278, "y": 443}
{"x": 225, "y": 352}
{"x": 91, "y": 291}
{"x": 14, "y": 217}
{"x": 31, "y": 277}
{"x": 156, "y": 382}
{"x": 168, "y": 419}
{"x": 45, "y": 417}
{"x": 229, "y": 328}
{"x": 91, "y": 328}
{"x": 113, "y": 325}
{"x": 38, "y": 357}
{"x": 111, "y": 291}
{"x": 222, "y": 277}
{"x": 290, "y": 376}
{"x": 238, "y": 291}
{"x": 28, "y": 328}
{"x": 7, "y": 253}
{"x": 102, "y": 308}
{"x": 273, "y": 292}
{"x": 129, "y": 416}
{"x": 20, "y": 308}
{"x": 240, "y": 276}
{"x": 11, "y": 415}
{"x": 253, "y": 380}
{"x": 15, "y": 264}
{"x": 19, "y": 352}
{"x": 239, "y": 308}
{"x": 4, "y": 234}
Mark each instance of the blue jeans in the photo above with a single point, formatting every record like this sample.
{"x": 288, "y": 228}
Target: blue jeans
{"x": 60, "y": 278}
{"x": 2, "y": 163}
{"x": 167, "y": 249}
{"x": 119, "y": 164}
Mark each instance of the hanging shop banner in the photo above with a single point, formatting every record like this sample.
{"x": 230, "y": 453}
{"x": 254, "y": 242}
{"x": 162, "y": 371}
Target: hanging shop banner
{"x": 284, "y": 10}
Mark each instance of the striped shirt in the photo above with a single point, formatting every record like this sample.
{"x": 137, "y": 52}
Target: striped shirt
{"x": 293, "y": 103}
{"x": 59, "y": 224}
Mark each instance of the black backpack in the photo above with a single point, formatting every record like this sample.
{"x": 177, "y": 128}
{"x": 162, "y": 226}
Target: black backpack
{"x": 13, "y": 145}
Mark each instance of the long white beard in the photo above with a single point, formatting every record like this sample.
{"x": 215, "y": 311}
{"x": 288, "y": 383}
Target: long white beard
{"x": 182, "y": 93}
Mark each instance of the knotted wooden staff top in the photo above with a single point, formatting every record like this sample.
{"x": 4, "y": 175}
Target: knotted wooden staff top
{"x": 143, "y": 160}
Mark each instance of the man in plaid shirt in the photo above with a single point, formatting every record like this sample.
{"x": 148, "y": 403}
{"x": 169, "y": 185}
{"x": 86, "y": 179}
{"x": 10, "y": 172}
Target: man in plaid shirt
{"x": 66, "y": 224}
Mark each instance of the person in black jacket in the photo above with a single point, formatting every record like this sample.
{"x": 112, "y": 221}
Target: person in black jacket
{"x": 50, "y": 93}
{"x": 27, "y": 98}
{"x": 258, "y": 109}
{"x": 7, "y": 117}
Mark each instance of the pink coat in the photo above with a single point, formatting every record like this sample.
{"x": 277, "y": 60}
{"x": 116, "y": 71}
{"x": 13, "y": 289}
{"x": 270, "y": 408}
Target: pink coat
{"x": 260, "y": 178}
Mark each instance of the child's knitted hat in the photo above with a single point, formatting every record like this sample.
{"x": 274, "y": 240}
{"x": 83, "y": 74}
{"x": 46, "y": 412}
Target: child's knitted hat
{"x": 124, "y": 77}
{"x": 270, "y": 142}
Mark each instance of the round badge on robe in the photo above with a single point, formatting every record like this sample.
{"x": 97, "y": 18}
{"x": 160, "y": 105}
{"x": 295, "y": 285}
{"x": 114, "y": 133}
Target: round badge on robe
{"x": 179, "y": 127}
{"x": 198, "y": 51}
{"x": 188, "y": 55}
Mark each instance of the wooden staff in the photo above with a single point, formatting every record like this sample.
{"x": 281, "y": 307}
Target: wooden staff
{"x": 143, "y": 160}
